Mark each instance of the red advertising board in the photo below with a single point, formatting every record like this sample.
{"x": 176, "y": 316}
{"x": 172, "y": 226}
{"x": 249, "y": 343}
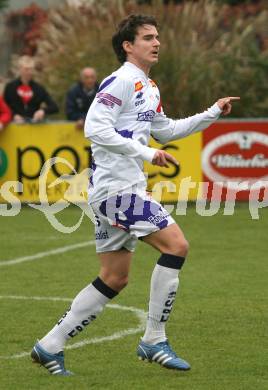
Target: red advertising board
{"x": 235, "y": 159}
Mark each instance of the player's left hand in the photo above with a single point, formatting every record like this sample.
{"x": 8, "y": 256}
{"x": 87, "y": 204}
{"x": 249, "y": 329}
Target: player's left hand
{"x": 225, "y": 104}
{"x": 162, "y": 158}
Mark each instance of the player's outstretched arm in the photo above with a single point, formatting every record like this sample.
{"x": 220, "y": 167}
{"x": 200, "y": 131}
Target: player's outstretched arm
{"x": 165, "y": 129}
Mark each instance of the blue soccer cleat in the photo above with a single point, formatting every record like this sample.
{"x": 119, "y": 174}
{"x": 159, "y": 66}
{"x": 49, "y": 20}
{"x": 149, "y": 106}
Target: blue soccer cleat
{"x": 54, "y": 363}
{"x": 162, "y": 353}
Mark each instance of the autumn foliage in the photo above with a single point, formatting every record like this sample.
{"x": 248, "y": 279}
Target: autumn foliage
{"x": 24, "y": 26}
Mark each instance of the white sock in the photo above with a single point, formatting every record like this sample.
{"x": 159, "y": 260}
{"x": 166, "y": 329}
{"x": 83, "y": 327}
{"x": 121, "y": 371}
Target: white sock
{"x": 84, "y": 309}
{"x": 164, "y": 285}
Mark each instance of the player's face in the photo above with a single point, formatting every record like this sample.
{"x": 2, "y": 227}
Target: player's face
{"x": 145, "y": 49}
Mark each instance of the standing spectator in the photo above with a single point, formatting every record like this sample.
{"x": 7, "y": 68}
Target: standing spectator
{"x": 5, "y": 114}
{"x": 28, "y": 100}
{"x": 80, "y": 96}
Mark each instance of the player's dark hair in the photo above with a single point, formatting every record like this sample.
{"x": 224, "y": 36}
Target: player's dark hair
{"x": 127, "y": 31}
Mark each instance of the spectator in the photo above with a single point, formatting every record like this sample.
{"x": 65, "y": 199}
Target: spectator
{"x": 5, "y": 114}
{"x": 28, "y": 100}
{"x": 80, "y": 96}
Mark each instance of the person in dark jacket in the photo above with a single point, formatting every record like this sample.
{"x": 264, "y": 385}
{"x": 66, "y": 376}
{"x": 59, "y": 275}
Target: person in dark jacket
{"x": 28, "y": 100}
{"x": 80, "y": 96}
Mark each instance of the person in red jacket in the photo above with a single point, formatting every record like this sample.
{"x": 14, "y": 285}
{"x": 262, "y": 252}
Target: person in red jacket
{"x": 5, "y": 114}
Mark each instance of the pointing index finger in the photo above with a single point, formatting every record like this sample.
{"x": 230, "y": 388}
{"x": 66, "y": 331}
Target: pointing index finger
{"x": 234, "y": 98}
{"x": 169, "y": 157}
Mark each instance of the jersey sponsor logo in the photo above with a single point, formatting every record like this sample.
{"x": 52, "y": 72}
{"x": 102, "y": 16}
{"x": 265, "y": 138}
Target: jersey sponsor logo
{"x": 108, "y": 100}
{"x": 146, "y": 116}
{"x": 138, "y": 86}
{"x": 101, "y": 235}
{"x": 139, "y": 102}
{"x": 139, "y": 95}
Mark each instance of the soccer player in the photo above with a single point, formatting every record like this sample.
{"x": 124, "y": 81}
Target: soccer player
{"x": 125, "y": 112}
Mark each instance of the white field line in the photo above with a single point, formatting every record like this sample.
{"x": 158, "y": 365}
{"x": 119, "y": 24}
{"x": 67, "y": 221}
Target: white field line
{"x": 40, "y": 255}
{"x": 141, "y": 315}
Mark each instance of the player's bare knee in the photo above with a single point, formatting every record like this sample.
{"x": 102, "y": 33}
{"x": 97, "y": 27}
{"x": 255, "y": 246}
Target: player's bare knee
{"x": 124, "y": 282}
{"x": 178, "y": 247}
{"x": 183, "y": 248}
{"x": 114, "y": 281}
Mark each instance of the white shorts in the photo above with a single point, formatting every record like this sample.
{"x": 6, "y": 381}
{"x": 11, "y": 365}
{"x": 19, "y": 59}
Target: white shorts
{"x": 123, "y": 218}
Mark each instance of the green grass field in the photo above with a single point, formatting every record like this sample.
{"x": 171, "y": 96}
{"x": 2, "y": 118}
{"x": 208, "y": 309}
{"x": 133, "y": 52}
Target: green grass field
{"x": 218, "y": 324}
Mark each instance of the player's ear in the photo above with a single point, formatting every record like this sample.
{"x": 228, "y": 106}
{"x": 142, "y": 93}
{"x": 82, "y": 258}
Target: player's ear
{"x": 127, "y": 46}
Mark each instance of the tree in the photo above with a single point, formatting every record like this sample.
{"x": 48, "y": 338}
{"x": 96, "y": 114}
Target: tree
{"x": 3, "y": 4}
{"x": 207, "y": 51}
